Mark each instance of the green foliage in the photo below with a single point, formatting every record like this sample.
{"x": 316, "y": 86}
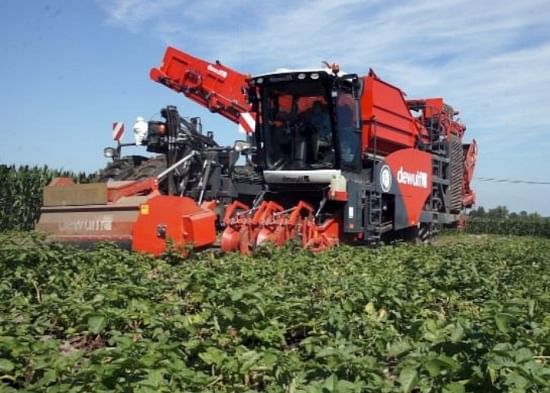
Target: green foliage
{"x": 459, "y": 317}
{"x": 510, "y": 226}
{"x": 499, "y": 221}
{"x": 21, "y": 194}
{"x": 502, "y": 213}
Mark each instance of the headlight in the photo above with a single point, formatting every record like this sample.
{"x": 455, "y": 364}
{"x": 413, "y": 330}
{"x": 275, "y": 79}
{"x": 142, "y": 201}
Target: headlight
{"x": 241, "y": 146}
{"x": 161, "y": 129}
{"x": 109, "y": 152}
{"x": 157, "y": 128}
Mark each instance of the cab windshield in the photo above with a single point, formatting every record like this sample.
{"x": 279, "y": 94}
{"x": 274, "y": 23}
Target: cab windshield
{"x": 297, "y": 126}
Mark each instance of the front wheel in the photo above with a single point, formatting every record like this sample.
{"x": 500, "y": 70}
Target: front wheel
{"x": 424, "y": 234}
{"x": 421, "y": 234}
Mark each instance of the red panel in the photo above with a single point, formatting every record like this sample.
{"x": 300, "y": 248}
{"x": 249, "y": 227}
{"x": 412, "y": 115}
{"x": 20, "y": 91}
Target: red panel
{"x": 386, "y": 115}
{"x": 412, "y": 172}
{"x": 181, "y": 220}
{"x": 434, "y": 106}
{"x": 200, "y": 228}
{"x": 212, "y": 85}
{"x": 117, "y": 190}
{"x": 61, "y": 181}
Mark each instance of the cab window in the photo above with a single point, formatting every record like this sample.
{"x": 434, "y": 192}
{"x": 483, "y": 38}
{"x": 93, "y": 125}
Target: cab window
{"x": 348, "y": 135}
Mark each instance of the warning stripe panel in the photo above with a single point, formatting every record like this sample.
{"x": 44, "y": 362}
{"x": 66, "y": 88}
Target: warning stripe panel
{"x": 247, "y": 123}
{"x": 118, "y": 130}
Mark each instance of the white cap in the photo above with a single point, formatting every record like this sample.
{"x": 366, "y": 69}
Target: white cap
{"x": 139, "y": 118}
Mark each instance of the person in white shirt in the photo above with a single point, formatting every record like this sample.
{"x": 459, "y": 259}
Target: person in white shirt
{"x": 140, "y": 130}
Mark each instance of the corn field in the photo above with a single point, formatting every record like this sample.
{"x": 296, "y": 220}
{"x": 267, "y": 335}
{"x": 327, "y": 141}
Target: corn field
{"x": 508, "y": 226}
{"x": 21, "y": 193}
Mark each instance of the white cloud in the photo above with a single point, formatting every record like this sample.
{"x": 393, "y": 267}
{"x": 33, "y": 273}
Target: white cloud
{"x": 490, "y": 59}
{"x": 133, "y": 13}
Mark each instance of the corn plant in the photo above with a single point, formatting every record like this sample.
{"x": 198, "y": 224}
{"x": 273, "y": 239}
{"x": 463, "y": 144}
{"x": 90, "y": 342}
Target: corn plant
{"x": 21, "y": 193}
{"x": 509, "y": 226}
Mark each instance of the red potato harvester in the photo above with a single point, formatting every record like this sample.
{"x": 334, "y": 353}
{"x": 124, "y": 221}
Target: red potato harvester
{"x": 329, "y": 158}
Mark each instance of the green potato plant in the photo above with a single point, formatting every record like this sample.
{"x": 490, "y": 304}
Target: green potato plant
{"x": 463, "y": 316}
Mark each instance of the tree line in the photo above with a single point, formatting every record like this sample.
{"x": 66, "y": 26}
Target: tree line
{"x": 500, "y": 221}
{"x": 502, "y": 213}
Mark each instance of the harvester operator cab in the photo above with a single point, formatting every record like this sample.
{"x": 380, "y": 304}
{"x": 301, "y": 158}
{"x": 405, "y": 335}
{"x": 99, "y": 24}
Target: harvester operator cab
{"x": 307, "y": 120}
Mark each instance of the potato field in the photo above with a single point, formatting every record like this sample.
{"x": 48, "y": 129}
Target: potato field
{"x": 471, "y": 314}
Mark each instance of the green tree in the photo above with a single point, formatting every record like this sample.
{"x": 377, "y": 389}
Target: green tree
{"x": 478, "y": 213}
{"x": 499, "y": 213}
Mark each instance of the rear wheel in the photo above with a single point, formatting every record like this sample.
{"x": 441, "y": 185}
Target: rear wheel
{"x": 150, "y": 168}
{"x": 132, "y": 168}
{"x": 120, "y": 169}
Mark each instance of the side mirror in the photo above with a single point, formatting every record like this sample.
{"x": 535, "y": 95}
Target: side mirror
{"x": 356, "y": 92}
{"x": 357, "y": 88}
{"x": 356, "y": 85}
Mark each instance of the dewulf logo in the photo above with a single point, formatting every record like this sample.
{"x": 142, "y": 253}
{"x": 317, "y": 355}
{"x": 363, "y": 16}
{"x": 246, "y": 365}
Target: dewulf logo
{"x": 99, "y": 225}
{"x": 296, "y": 179}
{"x": 418, "y": 179}
{"x": 217, "y": 71}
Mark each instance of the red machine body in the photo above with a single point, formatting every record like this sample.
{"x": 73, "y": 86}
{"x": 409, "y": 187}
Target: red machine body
{"x": 337, "y": 158}
{"x": 179, "y": 219}
{"x": 411, "y": 171}
{"x": 416, "y": 171}
{"x": 387, "y": 118}
{"x": 215, "y": 86}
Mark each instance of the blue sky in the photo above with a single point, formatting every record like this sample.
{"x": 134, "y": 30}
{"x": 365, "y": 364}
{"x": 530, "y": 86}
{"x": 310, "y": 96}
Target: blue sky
{"x": 68, "y": 69}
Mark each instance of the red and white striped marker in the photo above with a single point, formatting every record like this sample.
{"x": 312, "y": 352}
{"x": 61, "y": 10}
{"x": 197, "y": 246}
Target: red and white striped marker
{"x": 247, "y": 123}
{"x": 118, "y": 130}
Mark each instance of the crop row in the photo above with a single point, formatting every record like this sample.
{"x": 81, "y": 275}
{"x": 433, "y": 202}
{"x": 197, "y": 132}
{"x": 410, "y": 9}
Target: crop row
{"x": 520, "y": 227}
{"x": 452, "y": 318}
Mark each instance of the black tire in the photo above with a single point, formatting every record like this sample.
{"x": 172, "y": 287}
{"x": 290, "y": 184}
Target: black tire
{"x": 417, "y": 234}
{"x": 120, "y": 169}
{"x": 424, "y": 234}
{"x": 150, "y": 168}
{"x": 117, "y": 170}
{"x": 246, "y": 174}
